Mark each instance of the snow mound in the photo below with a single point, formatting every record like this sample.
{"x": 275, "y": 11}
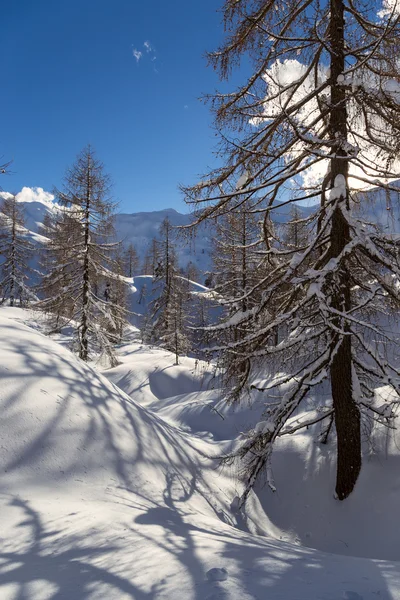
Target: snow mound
{"x": 63, "y": 423}
{"x": 304, "y": 506}
{"x": 149, "y": 374}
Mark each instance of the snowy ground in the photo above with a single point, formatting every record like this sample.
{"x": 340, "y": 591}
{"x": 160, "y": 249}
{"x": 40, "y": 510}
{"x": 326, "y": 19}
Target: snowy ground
{"x": 108, "y": 490}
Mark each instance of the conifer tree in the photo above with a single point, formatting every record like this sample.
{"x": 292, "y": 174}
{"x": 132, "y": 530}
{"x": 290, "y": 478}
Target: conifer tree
{"x": 237, "y": 264}
{"x": 166, "y": 324}
{"x": 131, "y": 260}
{"x": 295, "y": 233}
{"x": 82, "y": 258}
{"x": 151, "y": 258}
{"x": 15, "y": 251}
{"x": 318, "y": 118}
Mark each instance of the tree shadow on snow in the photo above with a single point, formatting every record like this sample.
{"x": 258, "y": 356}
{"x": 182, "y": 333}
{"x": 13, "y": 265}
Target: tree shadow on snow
{"x": 72, "y": 568}
{"x": 66, "y": 571}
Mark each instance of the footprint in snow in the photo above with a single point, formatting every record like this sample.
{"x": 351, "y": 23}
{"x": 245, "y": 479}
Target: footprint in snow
{"x": 221, "y": 574}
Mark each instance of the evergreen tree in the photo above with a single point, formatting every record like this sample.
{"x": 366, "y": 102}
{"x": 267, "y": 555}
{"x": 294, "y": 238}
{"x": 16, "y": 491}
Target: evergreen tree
{"x": 317, "y": 118}
{"x": 15, "y": 251}
{"x": 131, "y": 261}
{"x": 81, "y": 258}
{"x": 166, "y": 324}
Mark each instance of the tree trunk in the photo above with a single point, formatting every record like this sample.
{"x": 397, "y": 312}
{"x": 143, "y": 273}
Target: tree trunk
{"x": 83, "y": 354}
{"x": 347, "y": 415}
{"x": 13, "y": 251}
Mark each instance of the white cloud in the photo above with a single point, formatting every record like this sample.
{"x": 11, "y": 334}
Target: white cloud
{"x": 148, "y": 48}
{"x": 35, "y": 194}
{"x": 389, "y": 7}
{"x": 284, "y": 73}
{"x": 137, "y": 54}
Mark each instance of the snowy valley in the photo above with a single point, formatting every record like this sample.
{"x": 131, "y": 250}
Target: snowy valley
{"x": 113, "y": 485}
{"x": 110, "y": 489}
{"x": 200, "y": 405}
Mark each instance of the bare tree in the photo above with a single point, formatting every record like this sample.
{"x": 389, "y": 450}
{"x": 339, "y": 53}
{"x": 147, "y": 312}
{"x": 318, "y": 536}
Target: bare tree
{"x": 82, "y": 258}
{"x": 166, "y": 323}
{"x": 318, "y": 118}
{"x": 131, "y": 260}
{"x": 151, "y": 258}
{"x": 238, "y": 262}
{"x": 15, "y": 250}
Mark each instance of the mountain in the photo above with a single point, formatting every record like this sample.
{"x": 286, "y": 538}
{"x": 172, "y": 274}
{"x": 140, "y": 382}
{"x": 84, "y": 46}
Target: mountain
{"x": 140, "y": 228}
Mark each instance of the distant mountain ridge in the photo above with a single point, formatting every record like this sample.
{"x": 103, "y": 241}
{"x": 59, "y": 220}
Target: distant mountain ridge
{"x": 140, "y": 228}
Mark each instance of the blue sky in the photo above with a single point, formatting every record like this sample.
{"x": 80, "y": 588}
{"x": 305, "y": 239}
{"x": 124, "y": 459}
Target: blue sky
{"x": 123, "y": 75}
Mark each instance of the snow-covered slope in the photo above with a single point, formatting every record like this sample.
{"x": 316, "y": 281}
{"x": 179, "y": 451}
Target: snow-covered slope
{"x": 304, "y": 473}
{"x": 140, "y": 228}
{"x": 142, "y": 292}
{"x": 102, "y": 498}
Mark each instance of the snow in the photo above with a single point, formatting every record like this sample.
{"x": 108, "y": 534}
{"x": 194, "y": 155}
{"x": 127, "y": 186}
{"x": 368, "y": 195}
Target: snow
{"x": 339, "y": 189}
{"x": 264, "y": 427}
{"x": 242, "y": 181}
{"x": 108, "y": 490}
{"x": 217, "y": 574}
{"x": 137, "y": 228}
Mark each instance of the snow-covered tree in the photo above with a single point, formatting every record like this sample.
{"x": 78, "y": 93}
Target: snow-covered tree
{"x": 318, "y": 118}
{"x": 295, "y": 234}
{"x": 150, "y": 258}
{"x": 15, "y": 252}
{"x": 80, "y": 258}
{"x": 131, "y": 261}
{"x": 235, "y": 261}
{"x": 166, "y": 323}
{"x": 191, "y": 272}
{"x": 237, "y": 265}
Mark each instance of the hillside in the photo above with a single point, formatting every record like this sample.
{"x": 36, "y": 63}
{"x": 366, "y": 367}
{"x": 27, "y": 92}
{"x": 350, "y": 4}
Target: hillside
{"x": 109, "y": 492}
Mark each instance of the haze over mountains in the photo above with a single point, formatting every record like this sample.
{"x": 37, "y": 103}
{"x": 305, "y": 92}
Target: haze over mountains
{"x": 140, "y": 228}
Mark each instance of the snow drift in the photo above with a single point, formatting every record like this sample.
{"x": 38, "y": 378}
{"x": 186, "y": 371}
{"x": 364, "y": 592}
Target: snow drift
{"x": 102, "y": 498}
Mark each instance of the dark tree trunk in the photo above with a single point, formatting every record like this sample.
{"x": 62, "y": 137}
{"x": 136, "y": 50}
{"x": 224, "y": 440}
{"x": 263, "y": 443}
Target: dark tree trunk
{"x": 244, "y": 260}
{"x": 13, "y": 257}
{"x": 347, "y": 415}
{"x": 85, "y": 317}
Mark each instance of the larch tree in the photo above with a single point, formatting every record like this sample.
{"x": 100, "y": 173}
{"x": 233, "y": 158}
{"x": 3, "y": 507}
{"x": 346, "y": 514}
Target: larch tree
{"x": 295, "y": 233}
{"x": 236, "y": 268}
{"x": 166, "y": 323}
{"x": 82, "y": 259}
{"x": 150, "y": 258}
{"x": 15, "y": 252}
{"x": 57, "y": 269}
{"x": 317, "y": 119}
{"x": 131, "y": 261}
